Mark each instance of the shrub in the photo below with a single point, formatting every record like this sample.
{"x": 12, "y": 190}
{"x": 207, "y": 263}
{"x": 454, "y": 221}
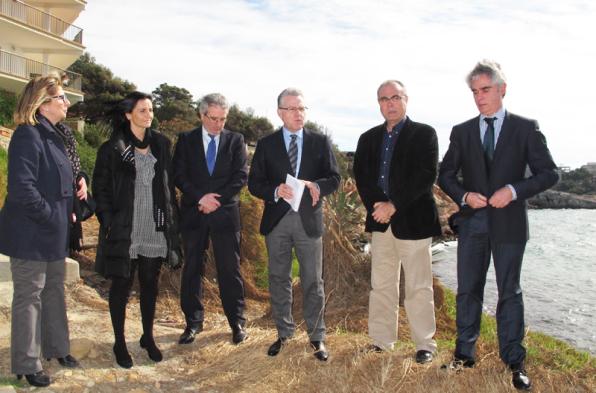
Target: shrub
{"x": 8, "y": 102}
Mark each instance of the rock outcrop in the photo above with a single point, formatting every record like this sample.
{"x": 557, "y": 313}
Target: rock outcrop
{"x": 550, "y": 199}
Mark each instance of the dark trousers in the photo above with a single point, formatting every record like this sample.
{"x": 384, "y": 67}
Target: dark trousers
{"x": 473, "y": 258}
{"x": 120, "y": 291}
{"x": 226, "y": 250}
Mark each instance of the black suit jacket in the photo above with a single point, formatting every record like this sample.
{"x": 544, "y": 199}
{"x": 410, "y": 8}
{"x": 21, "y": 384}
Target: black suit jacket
{"x": 411, "y": 177}
{"x": 269, "y": 168}
{"x": 192, "y": 177}
{"x": 520, "y": 144}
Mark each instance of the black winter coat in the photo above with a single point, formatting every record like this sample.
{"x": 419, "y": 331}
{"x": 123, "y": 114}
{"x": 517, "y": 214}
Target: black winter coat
{"x": 113, "y": 189}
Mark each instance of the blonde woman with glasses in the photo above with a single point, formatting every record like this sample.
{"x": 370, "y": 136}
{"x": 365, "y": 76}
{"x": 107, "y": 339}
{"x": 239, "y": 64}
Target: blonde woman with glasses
{"x": 43, "y": 180}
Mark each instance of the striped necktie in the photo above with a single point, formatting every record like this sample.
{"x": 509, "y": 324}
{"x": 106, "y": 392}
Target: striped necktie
{"x": 293, "y": 153}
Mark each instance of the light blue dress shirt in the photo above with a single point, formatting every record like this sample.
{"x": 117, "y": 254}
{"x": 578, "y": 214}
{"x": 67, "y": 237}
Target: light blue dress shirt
{"x": 207, "y": 139}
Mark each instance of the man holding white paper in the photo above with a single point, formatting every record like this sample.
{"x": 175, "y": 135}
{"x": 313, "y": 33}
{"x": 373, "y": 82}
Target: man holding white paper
{"x": 290, "y": 154}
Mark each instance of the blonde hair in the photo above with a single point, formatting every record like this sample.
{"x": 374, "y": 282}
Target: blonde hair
{"x": 38, "y": 91}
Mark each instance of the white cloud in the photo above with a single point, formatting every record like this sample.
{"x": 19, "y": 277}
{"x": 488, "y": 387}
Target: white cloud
{"x": 339, "y": 51}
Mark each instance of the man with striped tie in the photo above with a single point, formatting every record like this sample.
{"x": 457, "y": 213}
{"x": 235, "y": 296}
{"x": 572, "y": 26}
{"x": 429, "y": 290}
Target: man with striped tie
{"x": 305, "y": 155}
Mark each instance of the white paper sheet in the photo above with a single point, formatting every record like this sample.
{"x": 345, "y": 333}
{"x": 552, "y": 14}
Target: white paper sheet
{"x": 297, "y": 191}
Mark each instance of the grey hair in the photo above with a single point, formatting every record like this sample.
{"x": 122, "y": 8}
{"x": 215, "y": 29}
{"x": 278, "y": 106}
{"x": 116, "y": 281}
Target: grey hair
{"x": 390, "y": 82}
{"x": 290, "y": 91}
{"x": 490, "y": 68}
{"x": 211, "y": 100}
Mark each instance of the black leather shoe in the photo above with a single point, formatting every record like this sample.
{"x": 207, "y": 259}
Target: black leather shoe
{"x": 67, "y": 361}
{"x": 152, "y": 350}
{"x": 122, "y": 356}
{"x": 424, "y": 356}
{"x": 321, "y": 352}
{"x": 239, "y": 334}
{"x": 277, "y": 346}
{"x": 189, "y": 333}
{"x": 519, "y": 377}
{"x": 39, "y": 379}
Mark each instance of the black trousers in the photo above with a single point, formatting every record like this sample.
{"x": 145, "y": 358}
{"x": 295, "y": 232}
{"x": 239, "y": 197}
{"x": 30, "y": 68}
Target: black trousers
{"x": 226, "y": 249}
{"x": 473, "y": 258}
{"x": 148, "y": 269}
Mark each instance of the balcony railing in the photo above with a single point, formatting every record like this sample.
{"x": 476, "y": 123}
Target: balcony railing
{"x": 25, "y": 68}
{"x": 39, "y": 19}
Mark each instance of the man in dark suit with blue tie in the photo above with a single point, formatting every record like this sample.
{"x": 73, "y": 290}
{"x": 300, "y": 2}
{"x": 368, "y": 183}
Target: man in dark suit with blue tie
{"x": 210, "y": 169}
{"x": 492, "y": 152}
{"x": 307, "y": 156}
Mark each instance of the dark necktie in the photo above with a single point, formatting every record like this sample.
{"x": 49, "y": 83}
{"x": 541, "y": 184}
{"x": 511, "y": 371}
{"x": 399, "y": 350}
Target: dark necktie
{"x": 211, "y": 150}
{"x": 293, "y": 153}
{"x": 489, "y": 139}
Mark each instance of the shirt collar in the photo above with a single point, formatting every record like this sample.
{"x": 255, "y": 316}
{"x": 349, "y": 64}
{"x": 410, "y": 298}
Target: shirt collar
{"x": 396, "y": 128}
{"x": 287, "y": 133}
{"x": 206, "y": 134}
{"x": 500, "y": 115}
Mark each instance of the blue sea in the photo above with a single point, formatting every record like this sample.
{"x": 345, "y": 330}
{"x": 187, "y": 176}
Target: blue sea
{"x": 558, "y": 276}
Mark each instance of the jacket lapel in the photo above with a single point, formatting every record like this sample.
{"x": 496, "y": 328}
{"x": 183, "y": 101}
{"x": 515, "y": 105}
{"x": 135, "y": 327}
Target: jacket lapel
{"x": 224, "y": 140}
{"x": 505, "y": 135}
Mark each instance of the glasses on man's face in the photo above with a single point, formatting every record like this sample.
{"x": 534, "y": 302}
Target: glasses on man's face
{"x": 294, "y": 109}
{"x": 216, "y": 119}
{"x": 60, "y": 97}
{"x": 395, "y": 99}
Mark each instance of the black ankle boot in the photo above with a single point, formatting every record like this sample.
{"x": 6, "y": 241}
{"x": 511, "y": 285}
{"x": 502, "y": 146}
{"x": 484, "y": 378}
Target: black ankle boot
{"x": 122, "y": 356}
{"x": 39, "y": 379}
{"x": 152, "y": 350}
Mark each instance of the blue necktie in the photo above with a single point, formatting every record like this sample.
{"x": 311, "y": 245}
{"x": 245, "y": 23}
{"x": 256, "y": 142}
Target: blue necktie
{"x": 211, "y": 150}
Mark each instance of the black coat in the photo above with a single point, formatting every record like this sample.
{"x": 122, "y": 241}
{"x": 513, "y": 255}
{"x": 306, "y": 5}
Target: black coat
{"x": 412, "y": 173}
{"x": 192, "y": 177}
{"x": 35, "y": 218}
{"x": 113, "y": 190}
{"x": 269, "y": 168}
{"x": 520, "y": 145}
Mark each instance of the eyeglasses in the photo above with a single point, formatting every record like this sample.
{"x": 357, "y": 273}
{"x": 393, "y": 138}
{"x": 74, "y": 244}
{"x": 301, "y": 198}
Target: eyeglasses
{"x": 293, "y": 109}
{"x": 60, "y": 97}
{"x": 395, "y": 99}
{"x": 215, "y": 119}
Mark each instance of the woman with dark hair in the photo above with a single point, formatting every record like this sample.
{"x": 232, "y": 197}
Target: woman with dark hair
{"x": 136, "y": 208}
{"x": 43, "y": 179}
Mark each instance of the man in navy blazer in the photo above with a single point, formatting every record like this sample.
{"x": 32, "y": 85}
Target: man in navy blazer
{"x": 395, "y": 167}
{"x": 492, "y": 152}
{"x": 308, "y": 156}
{"x": 210, "y": 169}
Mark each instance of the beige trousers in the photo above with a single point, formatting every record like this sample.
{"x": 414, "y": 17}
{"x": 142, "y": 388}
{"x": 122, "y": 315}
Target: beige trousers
{"x": 388, "y": 255}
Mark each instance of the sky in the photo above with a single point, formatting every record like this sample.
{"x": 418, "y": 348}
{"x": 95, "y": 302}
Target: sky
{"x": 338, "y": 52}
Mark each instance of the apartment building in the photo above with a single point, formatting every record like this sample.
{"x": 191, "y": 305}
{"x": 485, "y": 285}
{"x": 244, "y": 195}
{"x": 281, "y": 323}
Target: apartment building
{"x": 38, "y": 37}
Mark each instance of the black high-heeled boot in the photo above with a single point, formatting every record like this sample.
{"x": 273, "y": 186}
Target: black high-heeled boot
{"x": 39, "y": 379}
{"x": 122, "y": 356}
{"x": 152, "y": 350}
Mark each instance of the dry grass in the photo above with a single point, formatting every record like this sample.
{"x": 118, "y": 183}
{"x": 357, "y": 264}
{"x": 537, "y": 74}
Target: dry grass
{"x": 212, "y": 364}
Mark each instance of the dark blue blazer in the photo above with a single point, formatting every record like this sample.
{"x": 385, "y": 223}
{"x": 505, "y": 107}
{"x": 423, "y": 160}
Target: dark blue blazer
{"x": 34, "y": 221}
{"x": 192, "y": 177}
{"x": 271, "y": 164}
{"x": 520, "y": 145}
